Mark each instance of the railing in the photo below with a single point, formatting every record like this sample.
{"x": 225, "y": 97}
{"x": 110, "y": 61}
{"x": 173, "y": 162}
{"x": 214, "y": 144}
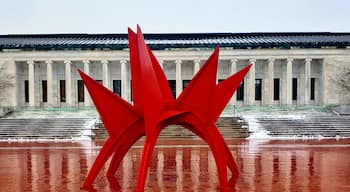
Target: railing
{"x": 232, "y": 110}
{"x": 98, "y": 123}
{"x": 236, "y": 112}
{"x": 4, "y": 111}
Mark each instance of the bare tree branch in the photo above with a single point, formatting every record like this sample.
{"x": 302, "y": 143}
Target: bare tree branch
{"x": 342, "y": 78}
{"x": 6, "y": 79}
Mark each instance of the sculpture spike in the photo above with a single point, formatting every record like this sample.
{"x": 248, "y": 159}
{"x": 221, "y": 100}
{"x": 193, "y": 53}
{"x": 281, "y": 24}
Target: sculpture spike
{"x": 224, "y": 91}
{"x": 135, "y": 72}
{"x": 163, "y": 82}
{"x": 198, "y": 93}
{"x": 115, "y": 113}
{"x": 152, "y": 96}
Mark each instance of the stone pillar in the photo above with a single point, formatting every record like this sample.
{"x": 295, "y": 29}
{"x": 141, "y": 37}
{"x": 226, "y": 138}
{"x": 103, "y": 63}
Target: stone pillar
{"x": 49, "y": 83}
{"x": 31, "y": 82}
{"x": 268, "y": 88}
{"x": 125, "y": 84}
{"x": 233, "y": 71}
{"x": 251, "y": 84}
{"x": 321, "y": 91}
{"x": 288, "y": 82}
{"x": 307, "y": 81}
{"x": 196, "y": 66}
{"x": 87, "y": 99}
{"x": 105, "y": 74}
{"x": 68, "y": 74}
{"x": 178, "y": 77}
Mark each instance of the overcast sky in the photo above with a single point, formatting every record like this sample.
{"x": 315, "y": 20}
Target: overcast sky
{"x": 173, "y": 16}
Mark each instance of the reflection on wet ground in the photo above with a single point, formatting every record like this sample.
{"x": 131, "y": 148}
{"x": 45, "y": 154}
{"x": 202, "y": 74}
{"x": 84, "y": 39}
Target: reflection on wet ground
{"x": 286, "y": 165}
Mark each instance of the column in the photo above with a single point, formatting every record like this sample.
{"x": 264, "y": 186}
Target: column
{"x": 269, "y": 76}
{"x": 49, "y": 83}
{"x": 196, "y": 66}
{"x": 307, "y": 81}
{"x": 31, "y": 82}
{"x": 321, "y": 91}
{"x": 233, "y": 71}
{"x": 288, "y": 82}
{"x": 124, "y": 80}
{"x": 178, "y": 77}
{"x": 87, "y": 100}
{"x": 68, "y": 76}
{"x": 251, "y": 84}
{"x": 105, "y": 73}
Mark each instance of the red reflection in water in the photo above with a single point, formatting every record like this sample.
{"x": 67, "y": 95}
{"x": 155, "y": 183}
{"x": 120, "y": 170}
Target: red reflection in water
{"x": 180, "y": 166}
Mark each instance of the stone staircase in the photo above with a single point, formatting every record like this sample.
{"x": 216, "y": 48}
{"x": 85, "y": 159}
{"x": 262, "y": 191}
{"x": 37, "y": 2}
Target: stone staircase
{"x": 229, "y": 127}
{"x": 308, "y": 126}
{"x": 42, "y": 128}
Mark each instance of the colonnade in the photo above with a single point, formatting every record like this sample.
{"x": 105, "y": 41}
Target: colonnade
{"x": 249, "y": 95}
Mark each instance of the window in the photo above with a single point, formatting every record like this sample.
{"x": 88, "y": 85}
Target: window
{"x": 294, "y": 88}
{"x": 312, "y": 89}
{"x": 185, "y": 83}
{"x": 80, "y": 91}
{"x": 44, "y": 90}
{"x": 240, "y": 92}
{"x": 276, "y": 89}
{"x": 62, "y": 90}
{"x": 258, "y": 84}
{"x": 172, "y": 85}
{"x": 26, "y": 91}
{"x": 117, "y": 88}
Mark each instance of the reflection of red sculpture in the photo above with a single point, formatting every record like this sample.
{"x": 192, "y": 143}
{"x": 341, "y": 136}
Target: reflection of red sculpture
{"x": 197, "y": 109}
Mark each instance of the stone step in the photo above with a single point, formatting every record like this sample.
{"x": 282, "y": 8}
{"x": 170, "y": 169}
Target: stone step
{"x": 311, "y": 128}
{"x": 229, "y": 127}
{"x": 324, "y": 125}
{"x": 59, "y": 128}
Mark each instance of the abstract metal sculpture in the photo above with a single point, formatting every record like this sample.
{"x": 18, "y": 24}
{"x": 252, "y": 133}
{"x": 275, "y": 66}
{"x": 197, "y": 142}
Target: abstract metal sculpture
{"x": 197, "y": 109}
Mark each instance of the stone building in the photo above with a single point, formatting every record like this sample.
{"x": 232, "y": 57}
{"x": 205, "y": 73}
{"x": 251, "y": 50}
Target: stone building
{"x": 289, "y": 68}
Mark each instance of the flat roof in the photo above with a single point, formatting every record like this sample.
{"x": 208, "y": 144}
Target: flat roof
{"x": 176, "y": 40}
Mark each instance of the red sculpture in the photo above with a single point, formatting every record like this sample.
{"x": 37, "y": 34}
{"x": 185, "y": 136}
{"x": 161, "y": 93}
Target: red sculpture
{"x": 197, "y": 109}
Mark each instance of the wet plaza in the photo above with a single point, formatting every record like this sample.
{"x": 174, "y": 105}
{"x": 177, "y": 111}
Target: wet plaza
{"x": 180, "y": 165}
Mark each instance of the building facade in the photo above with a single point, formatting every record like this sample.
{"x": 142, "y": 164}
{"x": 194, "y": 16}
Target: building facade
{"x": 288, "y": 68}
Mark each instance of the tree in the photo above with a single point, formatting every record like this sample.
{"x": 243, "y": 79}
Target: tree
{"x": 342, "y": 78}
{"x": 6, "y": 81}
